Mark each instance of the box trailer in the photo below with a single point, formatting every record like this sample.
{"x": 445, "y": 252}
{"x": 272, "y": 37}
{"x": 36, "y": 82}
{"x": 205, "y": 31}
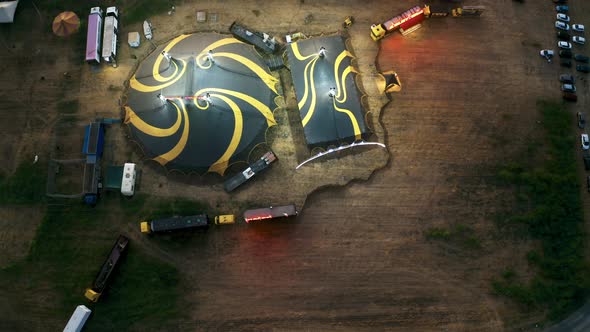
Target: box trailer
{"x": 176, "y": 223}
{"x": 93, "y": 41}
{"x": 111, "y": 29}
{"x": 272, "y": 212}
{"x": 106, "y": 271}
{"x": 78, "y": 319}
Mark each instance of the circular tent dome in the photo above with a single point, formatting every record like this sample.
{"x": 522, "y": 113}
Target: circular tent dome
{"x": 201, "y": 102}
{"x": 65, "y": 24}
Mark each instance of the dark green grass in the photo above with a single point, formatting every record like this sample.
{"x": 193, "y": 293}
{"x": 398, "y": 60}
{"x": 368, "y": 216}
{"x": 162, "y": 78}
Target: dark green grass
{"x": 70, "y": 246}
{"x": 25, "y": 186}
{"x": 549, "y": 209}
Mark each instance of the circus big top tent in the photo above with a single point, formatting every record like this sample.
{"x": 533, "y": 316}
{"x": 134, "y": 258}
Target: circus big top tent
{"x": 201, "y": 103}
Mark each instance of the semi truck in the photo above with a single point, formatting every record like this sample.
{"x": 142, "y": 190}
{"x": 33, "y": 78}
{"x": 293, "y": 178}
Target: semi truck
{"x": 410, "y": 19}
{"x": 105, "y": 274}
{"x": 175, "y": 223}
{"x": 93, "y": 41}
{"x": 272, "y": 212}
{"x": 260, "y": 165}
{"x": 111, "y": 28}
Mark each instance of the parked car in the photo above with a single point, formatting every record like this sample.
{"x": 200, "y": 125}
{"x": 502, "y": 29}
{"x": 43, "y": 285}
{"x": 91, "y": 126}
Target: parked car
{"x": 563, "y": 35}
{"x": 563, "y": 17}
{"x": 568, "y": 88}
{"x": 565, "y": 54}
{"x": 562, "y": 9}
{"x": 567, "y": 78}
{"x": 579, "y": 40}
{"x": 576, "y": 27}
{"x": 583, "y": 68}
{"x": 546, "y": 53}
{"x": 581, "y": 58}
{"x": 585, "y": 142}
{"x": 566, "y": 63}
{"x": 562, "y": 26}
{"x": 581, "y": 120}
{"x": 569, "y": 96}
{"x": 565, "y": 45}
{"x": 586, "y": 158}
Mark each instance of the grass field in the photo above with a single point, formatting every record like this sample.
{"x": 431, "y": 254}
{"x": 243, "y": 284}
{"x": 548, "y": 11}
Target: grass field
{"x": 549, "y": 209}
{"x": 70, "y": 246}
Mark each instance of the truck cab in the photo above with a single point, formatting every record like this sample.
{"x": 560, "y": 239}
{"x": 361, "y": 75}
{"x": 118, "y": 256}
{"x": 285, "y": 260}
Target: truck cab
{"x": 224, "y": 219}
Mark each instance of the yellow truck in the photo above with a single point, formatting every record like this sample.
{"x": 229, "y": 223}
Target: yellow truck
{"x": 225, "y": 219}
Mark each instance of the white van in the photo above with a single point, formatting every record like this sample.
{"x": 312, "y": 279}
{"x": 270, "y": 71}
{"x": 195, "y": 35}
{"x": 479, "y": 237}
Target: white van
{"x": 78, "y": 319}
{"x": 128, "y": 181}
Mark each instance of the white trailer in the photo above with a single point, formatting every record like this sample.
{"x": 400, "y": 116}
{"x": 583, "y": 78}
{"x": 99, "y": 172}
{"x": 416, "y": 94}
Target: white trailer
{"x": 78, "y": 319}
{"x": 111, "y": 28}
{"x": 128, "y": 181}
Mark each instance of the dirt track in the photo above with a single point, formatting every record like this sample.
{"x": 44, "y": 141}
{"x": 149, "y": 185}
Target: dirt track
{"x": 357, "y": 258}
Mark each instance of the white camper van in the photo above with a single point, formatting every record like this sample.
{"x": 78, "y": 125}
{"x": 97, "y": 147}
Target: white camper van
{"x": 128, "y": 182}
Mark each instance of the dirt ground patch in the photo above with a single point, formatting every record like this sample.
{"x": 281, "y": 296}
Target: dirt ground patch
{"x": 17, "y": 230}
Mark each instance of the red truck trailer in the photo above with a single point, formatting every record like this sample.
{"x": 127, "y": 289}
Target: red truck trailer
{"x": 272, "y": 212}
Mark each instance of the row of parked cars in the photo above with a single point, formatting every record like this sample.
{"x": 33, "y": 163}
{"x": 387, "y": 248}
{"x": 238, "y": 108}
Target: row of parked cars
{"x": 585, "y": 140}
{"x": 568, "y": 79}
{"x": 565, "y": 50}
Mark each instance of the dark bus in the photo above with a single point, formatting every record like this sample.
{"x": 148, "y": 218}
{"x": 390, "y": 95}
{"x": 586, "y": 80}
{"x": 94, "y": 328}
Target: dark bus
{"x": 200, "y": 221}
{"x": 272, "y": 212}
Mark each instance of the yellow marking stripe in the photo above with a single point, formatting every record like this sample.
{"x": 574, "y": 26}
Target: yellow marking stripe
{"x": 179, "y": 147}
{"x": 211, "y": 47}
{"x": 135, "y": 84}
{"x": 267, "y": 78}
{"x": 337, "y": 62}
{"x": 298, "y": 55}
{"x": 146, "y": 128}
{"x": 221, "y": 42}
{"x": 222, "y": 163}
{"x": 311, "y": 109}
{"x": 355, "y": 125}
{"x": 156, "y": 67}
{"x": 342, "y": 93}
{"x": 305, "y": 84}
{"x": 262, "y": 108}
